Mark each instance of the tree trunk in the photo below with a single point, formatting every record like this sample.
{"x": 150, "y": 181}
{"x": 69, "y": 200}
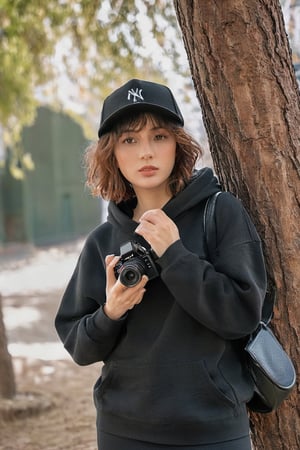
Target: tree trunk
{"x": 242, "y": 70}
{"x": 7, "y": 379}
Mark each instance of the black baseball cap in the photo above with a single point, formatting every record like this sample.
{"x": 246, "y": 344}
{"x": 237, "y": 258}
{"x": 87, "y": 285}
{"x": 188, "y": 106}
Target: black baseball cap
{"x": 138, "y": 96}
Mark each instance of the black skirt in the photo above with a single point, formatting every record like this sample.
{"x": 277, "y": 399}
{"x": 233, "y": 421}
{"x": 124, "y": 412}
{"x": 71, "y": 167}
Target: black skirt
{"x": 110, "y": 442}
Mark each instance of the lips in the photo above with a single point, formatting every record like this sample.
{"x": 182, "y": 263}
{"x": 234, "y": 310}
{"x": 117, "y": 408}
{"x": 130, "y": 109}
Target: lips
{"x": 147, "y": 169}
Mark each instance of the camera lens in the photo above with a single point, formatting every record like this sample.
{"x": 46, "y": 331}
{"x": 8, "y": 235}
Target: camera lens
{"x": 131, "y": 272}
{"x": 130, "y": 277}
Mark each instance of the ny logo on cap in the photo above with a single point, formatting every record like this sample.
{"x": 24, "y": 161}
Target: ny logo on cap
{"x": 135, "y": 94}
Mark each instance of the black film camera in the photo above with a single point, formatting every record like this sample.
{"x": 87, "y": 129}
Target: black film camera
{"x": 135, "y": 261}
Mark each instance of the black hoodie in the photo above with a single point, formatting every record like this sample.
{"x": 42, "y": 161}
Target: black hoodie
{"x": 173, "y": 368}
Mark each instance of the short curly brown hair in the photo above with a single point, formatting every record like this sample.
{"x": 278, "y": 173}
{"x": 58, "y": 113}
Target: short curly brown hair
{"x": 105, "y": 179}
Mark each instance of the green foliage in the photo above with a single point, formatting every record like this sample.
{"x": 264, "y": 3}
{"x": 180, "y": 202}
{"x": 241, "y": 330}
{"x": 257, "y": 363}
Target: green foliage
{"x": 105, "y": 41}
{"x": 27, "y": 40}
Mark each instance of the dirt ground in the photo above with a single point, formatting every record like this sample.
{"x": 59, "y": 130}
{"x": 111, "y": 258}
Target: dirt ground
{"x": 68, "y": 423}
{"x": 62, "y": 414}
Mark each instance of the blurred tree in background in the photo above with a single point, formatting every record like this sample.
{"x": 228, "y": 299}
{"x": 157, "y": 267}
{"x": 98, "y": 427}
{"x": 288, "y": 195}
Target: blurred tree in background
{"x": 87, "y": 45}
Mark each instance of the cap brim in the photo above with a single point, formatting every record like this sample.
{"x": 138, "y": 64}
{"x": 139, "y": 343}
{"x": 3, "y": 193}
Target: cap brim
{"x": 138, "y": 107}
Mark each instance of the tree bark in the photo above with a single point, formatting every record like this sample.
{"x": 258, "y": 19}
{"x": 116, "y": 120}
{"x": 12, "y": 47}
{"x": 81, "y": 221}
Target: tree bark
{"x": 242, "y": 70}
{"x": 7, "y": 379}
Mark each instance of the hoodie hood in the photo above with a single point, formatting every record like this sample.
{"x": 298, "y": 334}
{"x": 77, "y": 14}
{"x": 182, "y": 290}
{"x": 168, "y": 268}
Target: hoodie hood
{"x": 202, "y": 184}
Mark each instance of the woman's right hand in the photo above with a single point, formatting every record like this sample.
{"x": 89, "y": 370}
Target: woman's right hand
{"x": 119, "y": 298}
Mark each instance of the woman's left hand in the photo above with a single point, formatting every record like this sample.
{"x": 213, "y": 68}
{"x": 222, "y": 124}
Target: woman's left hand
{"x": 158, "y": 229}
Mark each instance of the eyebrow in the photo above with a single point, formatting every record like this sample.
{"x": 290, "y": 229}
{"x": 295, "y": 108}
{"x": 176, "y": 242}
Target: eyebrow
{"x": 135, "y": 130}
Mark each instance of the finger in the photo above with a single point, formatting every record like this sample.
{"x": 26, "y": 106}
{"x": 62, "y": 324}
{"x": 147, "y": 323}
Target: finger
{"x": 111, "y": 261}
{"x": 108, "y": 259}
{"x": 122, "y": 287}
{"x": 137, "y": 299}
{"x": 152, "y": 215}
{"x": 141, "y": 296}
{"x": 141, "y": 284}
{"x": 144, "y": 225}
{"x": 144, "y": 280}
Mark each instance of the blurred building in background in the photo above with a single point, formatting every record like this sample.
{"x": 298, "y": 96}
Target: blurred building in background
{"x": 51, "y": 204}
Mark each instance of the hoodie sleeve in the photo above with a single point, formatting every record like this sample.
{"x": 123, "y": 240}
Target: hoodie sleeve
{"x": 86, "y": 332}
{"x": 225, "y": 295}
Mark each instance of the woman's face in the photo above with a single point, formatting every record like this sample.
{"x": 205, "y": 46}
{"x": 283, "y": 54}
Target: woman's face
{"x": 146, "y": 157}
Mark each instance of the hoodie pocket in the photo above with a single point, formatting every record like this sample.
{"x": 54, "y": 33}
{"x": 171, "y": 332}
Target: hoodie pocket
{"x": 164, "y": 393}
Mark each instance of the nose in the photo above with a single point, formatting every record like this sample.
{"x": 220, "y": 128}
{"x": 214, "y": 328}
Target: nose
{"x": 146, "y": 151}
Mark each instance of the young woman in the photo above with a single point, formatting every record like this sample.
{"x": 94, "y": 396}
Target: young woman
{"x": 144, "y": 298}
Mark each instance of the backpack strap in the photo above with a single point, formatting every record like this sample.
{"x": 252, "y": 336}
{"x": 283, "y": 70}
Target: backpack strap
{"x": 268, "y": 306}
{"x": 210, "y": 236}
{"x": 209, "y": 224}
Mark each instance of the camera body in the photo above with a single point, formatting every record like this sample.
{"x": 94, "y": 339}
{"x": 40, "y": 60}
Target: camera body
{"x": 135, "y": 261}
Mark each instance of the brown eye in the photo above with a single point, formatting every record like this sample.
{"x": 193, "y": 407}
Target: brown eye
{"x": 160, "y": 137}
{"x": 127, "y": 140}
